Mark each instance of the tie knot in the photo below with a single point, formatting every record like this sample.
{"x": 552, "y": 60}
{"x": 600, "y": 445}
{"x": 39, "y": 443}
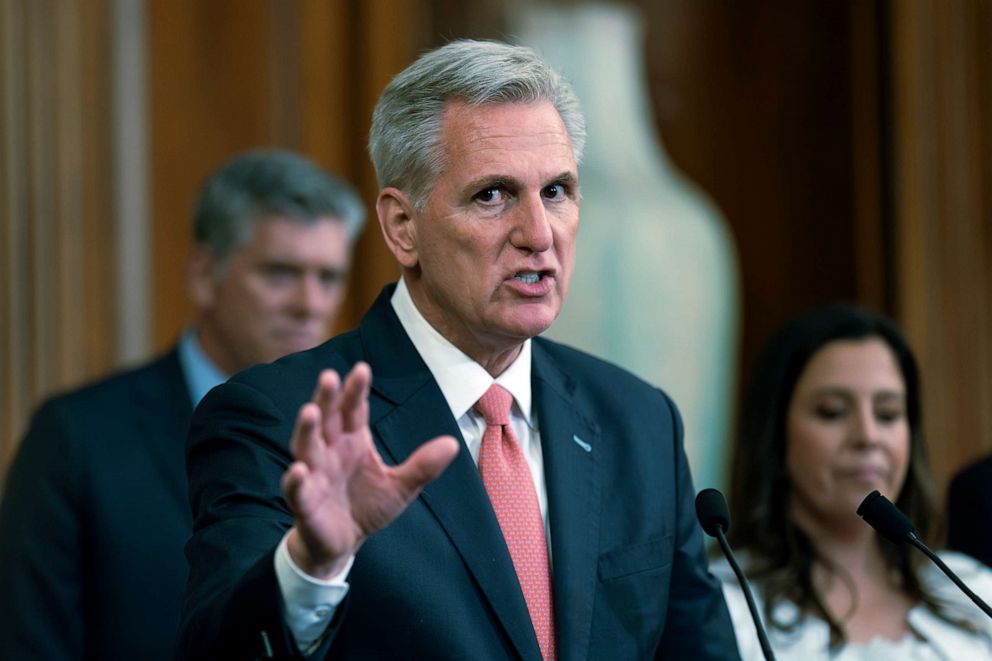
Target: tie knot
{"x": 494, "y": 405}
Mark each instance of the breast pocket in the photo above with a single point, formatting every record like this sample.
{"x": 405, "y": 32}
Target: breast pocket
{"x": 647, "y": 557}
{"x": 632, "y": 597}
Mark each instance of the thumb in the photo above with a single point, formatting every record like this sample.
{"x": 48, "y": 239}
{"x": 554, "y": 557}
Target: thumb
{"x": 427, "y": 463}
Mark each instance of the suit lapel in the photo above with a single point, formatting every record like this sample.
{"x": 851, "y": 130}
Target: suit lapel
{"x": 570, "y": 444}
{"x": 407, "y": 409}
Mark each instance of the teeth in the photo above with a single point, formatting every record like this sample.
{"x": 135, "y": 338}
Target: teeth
{"x": 529, "y": 278}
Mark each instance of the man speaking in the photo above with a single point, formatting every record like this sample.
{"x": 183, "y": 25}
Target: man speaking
{"x": 549, "y": 514}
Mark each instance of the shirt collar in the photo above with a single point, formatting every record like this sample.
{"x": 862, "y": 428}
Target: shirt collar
{"x": 200, "y": 372}
{"x": 462, "y": 380}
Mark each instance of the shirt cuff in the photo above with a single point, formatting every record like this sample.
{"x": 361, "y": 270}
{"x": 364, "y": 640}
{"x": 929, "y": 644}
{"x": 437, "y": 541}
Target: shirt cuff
{"x": 309, "y": 602}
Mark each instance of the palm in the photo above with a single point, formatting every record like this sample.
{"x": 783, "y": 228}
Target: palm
{"x": 339, "y": 489}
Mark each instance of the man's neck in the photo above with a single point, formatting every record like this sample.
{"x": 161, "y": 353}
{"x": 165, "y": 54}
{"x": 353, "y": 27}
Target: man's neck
{"x": 495, "y": 359}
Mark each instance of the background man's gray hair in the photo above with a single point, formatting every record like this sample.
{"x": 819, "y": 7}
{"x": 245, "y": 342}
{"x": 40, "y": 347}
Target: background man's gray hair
{"x": 404, "y": 141}
{"x": 263, "y": 183}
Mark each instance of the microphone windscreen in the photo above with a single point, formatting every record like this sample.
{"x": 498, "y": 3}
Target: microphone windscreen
{"x": 712, "y": 512}
{"x": 885, "y": 517}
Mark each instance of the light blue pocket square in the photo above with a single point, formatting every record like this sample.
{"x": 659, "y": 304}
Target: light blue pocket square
{"x": 582, "y": 444}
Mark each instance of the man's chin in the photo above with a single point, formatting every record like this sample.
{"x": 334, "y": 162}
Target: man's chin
{"x": 531, "y": 325}
{"x": 295, "y": 345}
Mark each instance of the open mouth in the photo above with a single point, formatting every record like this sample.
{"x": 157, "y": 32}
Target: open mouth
{"x": 528, "y": 277}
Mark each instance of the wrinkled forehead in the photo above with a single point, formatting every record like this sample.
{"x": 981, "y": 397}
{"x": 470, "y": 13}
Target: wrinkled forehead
{"x": 505, "y": 132}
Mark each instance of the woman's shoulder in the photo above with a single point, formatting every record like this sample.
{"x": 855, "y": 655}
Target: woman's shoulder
{"x": 976, "y": 634}
{"x": 956, "y": 559}
{"x": 975, "y": 574}
{"x": 801, "y": 638}
{"x": 720, "y": 568}
{"x": 808, "y": 639}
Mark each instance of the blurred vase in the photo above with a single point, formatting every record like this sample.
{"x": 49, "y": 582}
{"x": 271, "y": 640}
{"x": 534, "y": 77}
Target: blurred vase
{"x": 655, "y": 286}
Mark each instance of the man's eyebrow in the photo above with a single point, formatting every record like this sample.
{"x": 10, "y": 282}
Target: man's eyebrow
{"x": 566, "y": 177}
{"x": 490, "y": 181}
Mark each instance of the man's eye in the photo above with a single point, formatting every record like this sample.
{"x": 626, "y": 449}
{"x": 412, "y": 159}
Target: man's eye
{"x": 491, "y": 195}
{"x": 278, "y": 273}
{"x": 554, "y": 191}
{"x": 330, "y": 278}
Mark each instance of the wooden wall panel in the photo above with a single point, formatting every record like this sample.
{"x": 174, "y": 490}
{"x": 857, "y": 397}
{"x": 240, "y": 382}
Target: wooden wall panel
{"x": 870, "y": 157}
{"x": 942, "y": 68}
{"x": 392, "y": 35}
{"x": 56, "y": 222}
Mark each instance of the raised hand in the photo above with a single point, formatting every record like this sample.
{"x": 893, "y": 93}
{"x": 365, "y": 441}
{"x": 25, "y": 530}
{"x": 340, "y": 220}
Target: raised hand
{"x": 338, "y": 487}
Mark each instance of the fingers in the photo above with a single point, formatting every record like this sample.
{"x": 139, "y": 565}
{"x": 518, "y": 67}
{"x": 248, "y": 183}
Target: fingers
{"x": 293, "y": 481}
{"x": 354, "y": 400}
{"x": 344, "y": 407}
{"x": 306, "y": 444}
{"x": 427, "y": 463}
{"x": 327, "y": 396}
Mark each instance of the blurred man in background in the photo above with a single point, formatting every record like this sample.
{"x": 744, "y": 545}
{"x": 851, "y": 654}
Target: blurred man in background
{"x": 95, "y": 513}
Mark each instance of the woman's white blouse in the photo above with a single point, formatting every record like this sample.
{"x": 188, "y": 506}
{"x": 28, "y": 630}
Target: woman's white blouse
{"x": 935, "y": 639}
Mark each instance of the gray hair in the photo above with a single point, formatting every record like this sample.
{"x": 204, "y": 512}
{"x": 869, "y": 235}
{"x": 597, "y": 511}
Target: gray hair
{"x": 264, "y": 183}
{"x": 404, "y": 141}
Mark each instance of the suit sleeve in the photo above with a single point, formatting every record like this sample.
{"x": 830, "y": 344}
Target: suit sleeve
{"x": 236, "y": 455}
{"x": 698, "y": 625}
{"x": 41, "y": 537}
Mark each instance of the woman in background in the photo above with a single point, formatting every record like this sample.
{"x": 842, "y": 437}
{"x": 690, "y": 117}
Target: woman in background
{"x": 832, "y": 413}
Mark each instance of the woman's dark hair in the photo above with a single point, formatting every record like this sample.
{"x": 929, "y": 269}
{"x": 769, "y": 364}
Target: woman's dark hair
{"x": 781, "y": 556}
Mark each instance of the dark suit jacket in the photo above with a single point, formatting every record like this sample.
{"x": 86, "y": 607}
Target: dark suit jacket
{"x": 93, "y": 522}
{"x": 630, "y": 577}
{"x": 969, "y": 511}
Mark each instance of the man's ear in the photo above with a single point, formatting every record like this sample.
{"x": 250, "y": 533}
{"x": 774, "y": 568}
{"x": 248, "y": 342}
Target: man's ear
{"x": 201, "y": 276}
{"x": 396, "y": 216}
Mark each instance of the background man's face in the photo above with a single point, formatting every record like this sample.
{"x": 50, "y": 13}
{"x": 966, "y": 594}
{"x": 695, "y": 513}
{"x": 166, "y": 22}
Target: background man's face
{"x": 277, "y": 294}
{"x": 495, "y": 244}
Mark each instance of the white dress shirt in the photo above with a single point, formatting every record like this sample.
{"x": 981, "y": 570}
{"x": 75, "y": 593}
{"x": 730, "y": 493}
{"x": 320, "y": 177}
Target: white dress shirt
{"x": 310, "y": 603}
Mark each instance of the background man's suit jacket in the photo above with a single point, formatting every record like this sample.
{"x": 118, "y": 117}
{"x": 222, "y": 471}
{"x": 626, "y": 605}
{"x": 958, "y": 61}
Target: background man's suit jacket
{"x": 969, "y": 511}
{"x": 94, "y": 519}
{"x": 630, "y": 576}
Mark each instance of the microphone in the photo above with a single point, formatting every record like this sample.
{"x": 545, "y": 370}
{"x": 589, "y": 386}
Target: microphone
{"x": 895, "y": 526}
{"x": 714, "y": 517}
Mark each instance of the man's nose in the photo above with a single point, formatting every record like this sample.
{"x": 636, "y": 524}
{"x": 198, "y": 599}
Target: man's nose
{"x": 532, "y": 231}
{"x": 312, "y": 298}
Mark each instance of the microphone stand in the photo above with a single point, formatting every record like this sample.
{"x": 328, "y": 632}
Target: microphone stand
{"x": 766, "y": 647}
{"x": 894, "y": 525}
{"x": 915, "y": 541}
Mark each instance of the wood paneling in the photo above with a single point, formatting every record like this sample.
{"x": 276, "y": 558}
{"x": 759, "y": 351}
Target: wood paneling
{"x": 942, "y": 68}
{"x": 57, "y": 235}
{"x": 392, "y": 35}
